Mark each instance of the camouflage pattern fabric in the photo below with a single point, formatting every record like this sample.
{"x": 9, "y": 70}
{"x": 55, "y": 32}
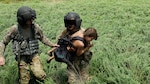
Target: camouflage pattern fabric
{"x": 78, "y": 72}
{"x": 2, "y": 47}
{"x": 35, "y": 66}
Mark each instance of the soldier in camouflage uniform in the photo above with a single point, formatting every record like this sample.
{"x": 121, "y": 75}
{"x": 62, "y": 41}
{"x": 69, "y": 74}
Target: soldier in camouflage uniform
{"x": 79, "y": 70}
{"x": 24, "y": 37}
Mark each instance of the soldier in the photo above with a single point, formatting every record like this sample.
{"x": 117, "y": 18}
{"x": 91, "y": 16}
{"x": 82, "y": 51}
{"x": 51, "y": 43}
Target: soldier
{"x": 72, "y": 23}
{"x": 25, "y": 36}
{"x": 80, "y": 67}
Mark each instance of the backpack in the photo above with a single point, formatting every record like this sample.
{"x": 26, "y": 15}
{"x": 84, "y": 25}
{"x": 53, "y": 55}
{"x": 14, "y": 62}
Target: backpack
{"x": 61, "y": 53}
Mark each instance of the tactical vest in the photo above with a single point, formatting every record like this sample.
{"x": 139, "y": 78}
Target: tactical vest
{"x": 62, "y": 54}
{"x": 23, "y": 46}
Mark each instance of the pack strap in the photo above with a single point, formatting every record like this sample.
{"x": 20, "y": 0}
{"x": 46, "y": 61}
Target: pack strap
{"x": 79, "y": 38}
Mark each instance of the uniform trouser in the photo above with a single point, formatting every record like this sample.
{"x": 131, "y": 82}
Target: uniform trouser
{"x": 35, "y": 66}
{"x": 78, "y": 72}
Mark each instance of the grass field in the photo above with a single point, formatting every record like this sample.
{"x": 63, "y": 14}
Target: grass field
{"x": 121, "y": 55}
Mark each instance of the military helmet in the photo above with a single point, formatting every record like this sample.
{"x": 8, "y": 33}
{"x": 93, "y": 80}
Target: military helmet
{"x": 25, "y": 13}
{"x": 72, "y": 18}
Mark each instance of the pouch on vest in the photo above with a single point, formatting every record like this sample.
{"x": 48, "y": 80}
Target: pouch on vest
{"x": 61, "y": 53}
{"x": 23, "y": 46}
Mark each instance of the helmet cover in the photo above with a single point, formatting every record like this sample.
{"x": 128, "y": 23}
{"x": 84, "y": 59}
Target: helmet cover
{"x": 72, "y": 18}
{"x": 25, "y": 13}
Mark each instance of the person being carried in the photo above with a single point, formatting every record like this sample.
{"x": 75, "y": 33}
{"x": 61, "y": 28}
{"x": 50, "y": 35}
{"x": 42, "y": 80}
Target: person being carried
{"x": 25, "y": 37}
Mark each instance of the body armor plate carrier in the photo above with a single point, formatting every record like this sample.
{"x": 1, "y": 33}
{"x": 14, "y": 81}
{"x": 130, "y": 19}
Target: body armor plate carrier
{"x": 24, "y": 46}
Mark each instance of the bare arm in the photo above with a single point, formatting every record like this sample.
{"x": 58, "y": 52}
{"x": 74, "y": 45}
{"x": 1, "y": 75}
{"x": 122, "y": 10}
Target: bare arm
{"x": 79, "y": 46}
{"x": 80, "y": 49}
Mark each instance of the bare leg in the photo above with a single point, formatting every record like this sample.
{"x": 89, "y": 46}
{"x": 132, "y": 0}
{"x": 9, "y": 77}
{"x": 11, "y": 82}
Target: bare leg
{"x": 50, "y": 51}
{"x": 50, "y": 58}
{"x": 51, "y": 55}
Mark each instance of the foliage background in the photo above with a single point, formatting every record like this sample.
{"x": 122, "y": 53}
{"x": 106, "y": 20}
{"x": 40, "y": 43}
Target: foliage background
{"x": 121, "y": 53}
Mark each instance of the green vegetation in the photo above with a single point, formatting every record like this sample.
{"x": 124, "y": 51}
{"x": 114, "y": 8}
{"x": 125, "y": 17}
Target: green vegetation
{"x": 121, "y": 54}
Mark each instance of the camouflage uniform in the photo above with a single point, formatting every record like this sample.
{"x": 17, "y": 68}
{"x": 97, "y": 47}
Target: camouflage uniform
{"x": 79, "y": 71}
{"x": 27, "y": 62}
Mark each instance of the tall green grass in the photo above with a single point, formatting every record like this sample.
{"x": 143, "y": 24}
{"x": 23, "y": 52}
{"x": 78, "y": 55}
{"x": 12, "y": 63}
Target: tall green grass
{"x": 121, "y": 55}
